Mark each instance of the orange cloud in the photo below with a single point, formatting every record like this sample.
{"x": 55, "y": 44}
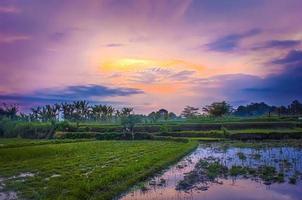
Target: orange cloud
{"x": 136, "y": 64}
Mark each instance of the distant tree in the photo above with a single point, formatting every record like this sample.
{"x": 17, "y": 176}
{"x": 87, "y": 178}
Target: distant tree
{"x": 218, "y": 109}
{"x": 190, "y": 112}
{"x": 129, "y": 121}
{"x": 163, "y": 113}
{"x": 126, "y": 111}
{"x": 254, "y": 109}
{"x": 154, "y": 117}
{"x": 172, "y": 115}
{"x": 295, "y": 108}
{"x": 282, "y": 110}
{"x": 24, "y": 117}
{"x": 8, "y": 110}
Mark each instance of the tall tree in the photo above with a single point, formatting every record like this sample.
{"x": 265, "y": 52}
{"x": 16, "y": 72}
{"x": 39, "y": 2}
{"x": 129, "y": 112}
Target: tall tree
{"x": 8, "y": 110}
{"x": 190, "y": 112}
{"x": 129, "y": 121}
{"x": 218, "y": 109}
{"x": 126, "y": 111}
{"x": 295, "y": 108}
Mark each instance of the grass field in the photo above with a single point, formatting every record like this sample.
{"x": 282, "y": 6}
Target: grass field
{"x": 82, "y": 170}
{"x": 18, "y": 142}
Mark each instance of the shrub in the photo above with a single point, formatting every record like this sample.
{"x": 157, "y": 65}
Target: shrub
{"x": 75, "y": 135}
{"x": 65, "y": 126}
{"x": 102, "y": 136}
{"x": 213, "y": 133}
{"x": 124, "y": 136}
{"x": 109, "y": 136}
{"x": 164, "y": 128}
{"x": 168, "y": 138}
{"x": 258, "y": 125}
{"x": 99, "y": 128}
{"x": 34, "y": 130}
{"x": 226, "y": 132}
{"x": 7, "y": 128}
{"x": 143, "y": 136}
{"x": 266, "y": 135}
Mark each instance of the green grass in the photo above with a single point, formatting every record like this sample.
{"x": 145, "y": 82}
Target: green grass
{"x": 198, "y": 134}
{"x": 260, "y": 134}
{"x": 85, "y": 170}
{"x": 206, "y": 139}
{"x": 266, "y": 131}
{"x": 18, "y": 142}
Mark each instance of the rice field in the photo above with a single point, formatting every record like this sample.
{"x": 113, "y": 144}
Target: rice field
{"x": 82, "y": 170}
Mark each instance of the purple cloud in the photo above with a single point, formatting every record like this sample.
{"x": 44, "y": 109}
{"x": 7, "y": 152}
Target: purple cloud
{"x": 294, "y": 56}
{"x": 9, "y": 10}
{"x": 279, "y": 44}
{"x": 67, "y": 94}
{"x": 112, "y": 45}
{"x": 231, "y": 42}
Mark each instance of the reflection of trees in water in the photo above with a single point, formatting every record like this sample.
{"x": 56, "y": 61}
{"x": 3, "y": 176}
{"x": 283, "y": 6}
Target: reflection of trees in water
{"x": 266, "y": 165}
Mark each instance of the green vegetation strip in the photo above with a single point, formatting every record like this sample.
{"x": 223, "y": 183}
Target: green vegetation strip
{"x": 85, "y": 170}
{"x": 18, "y": 142}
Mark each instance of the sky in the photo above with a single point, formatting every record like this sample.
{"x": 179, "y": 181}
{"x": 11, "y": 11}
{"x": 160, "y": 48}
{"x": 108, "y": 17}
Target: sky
{"x": 150, "y": 54}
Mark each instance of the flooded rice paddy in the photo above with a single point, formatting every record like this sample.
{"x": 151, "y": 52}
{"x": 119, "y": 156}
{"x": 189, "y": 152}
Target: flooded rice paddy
{"x": 218, "y": 171}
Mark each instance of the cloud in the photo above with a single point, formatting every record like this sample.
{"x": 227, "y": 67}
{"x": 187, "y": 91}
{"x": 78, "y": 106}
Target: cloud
{"x": 281, "y": 88}
{"x": 150, "y": 75}
{"x": 9, "y": 10}
{"x": 293, "y": 57}
{"x": 280, "y": 44}
{"x": 111, "y": 45}
{"x": 240, "y": 89}
{"x": 157, "y": 74}
{"x": 58, "y": 36}
{"x": 231, "y": 42}
{"x": 70, "y": 93}
{"x": 12, "y": 38}
{"x": 275, "y": 89}
{"x": 182, "y": 75}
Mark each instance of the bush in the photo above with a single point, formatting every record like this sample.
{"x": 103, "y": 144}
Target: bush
{"x": 213, "y": 133}
{"x": 109, "y": 136}
{"x": 124, "y": 136}
{"x": 226, "y": 132}
{"x": 7, "y": 128}
{"x": 259, "y": 125}
{"x": 168, "y": 138}
{"x": 102, "y": 136}
{"x": 276, "y": 135}
{"x": 34, "y": 130}
{"x": 164, "y": 128}
{"x": 75, "y": 135}
{"x": 143, "y": 136}
{"x": 100, "y": 128}
{"x": 65, "y": 126}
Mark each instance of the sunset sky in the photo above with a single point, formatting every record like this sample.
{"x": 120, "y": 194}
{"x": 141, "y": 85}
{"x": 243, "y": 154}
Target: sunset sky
{"x": 150, "y": 54}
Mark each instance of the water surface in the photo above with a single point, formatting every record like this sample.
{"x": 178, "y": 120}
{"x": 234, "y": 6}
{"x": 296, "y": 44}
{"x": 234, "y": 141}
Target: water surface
{"x": 270, "y": 163}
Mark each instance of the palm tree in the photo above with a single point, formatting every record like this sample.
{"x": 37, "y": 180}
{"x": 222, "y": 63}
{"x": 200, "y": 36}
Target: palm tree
{"x": 96, "y": 112}
{"x": 117, "y": 115}
{"x": 126, "y": 111}
{"x": 35, "y": 116}
{"x": 110, "y": 111}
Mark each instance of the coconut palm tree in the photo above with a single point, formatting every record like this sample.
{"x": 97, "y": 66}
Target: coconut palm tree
{"x": 126, "y": 111}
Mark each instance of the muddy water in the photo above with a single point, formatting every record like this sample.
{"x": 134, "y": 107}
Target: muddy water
{"x": 286, "y": 160}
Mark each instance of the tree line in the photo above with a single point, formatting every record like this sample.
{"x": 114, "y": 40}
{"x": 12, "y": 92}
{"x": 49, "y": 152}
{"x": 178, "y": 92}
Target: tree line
{"x": 75, "y": 111}
{"x": 83, "y": 111}
{"x": 218, "y": 109}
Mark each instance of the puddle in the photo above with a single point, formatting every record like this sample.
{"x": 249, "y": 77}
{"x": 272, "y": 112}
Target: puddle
{"x": 12, "y": 195}
{"x": 8, "y": 196}
{"x": 212, "y": 172}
